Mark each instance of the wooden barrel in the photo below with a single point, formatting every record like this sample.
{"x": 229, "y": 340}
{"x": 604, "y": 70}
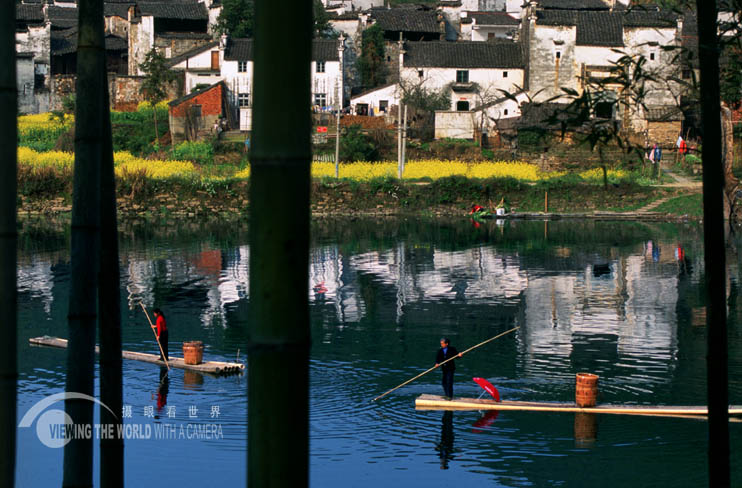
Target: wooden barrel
{"x": 193, "y": 352}
{"x": 586, "y": 390}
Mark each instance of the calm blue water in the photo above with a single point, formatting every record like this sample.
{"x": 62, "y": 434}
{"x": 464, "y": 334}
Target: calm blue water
{"x": 621, "y": 300}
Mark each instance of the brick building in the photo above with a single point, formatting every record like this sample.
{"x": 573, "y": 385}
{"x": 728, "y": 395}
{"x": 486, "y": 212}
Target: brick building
{"x": 193, "y": 116}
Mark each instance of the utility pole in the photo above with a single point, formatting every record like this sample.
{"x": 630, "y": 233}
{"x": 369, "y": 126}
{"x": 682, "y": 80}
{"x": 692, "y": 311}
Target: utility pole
{"x": 404, "y": 141}
{"x": 339, "y": 103}
{"x": 337, "y": 129}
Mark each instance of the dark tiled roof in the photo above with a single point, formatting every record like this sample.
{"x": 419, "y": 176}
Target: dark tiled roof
{"x": 194, "y": 94}
{"x": 493, "y": 18}
{"x": 325, "y": 50}
{"x": 191, "y": 52}
{"x": 174, "y": 10}
{"x": 556, "y": 17}
{"x": 118, "y": 9}
{"x": 649, "y": 18}
{"x": 242, "y": 50}
{"x": 29, "y": 13}
{"x": 543, "y": 115}
{"x": 239, "y": 50}
{"x": 406, "y": 20}
{"x": 116, "y": 43}
{"x": 574, "y": 4}
{"x": 463, "y": 54}
{"x": 599, "y": 29}
{"x": 64, "y": 41}
{"x": 62, "y": 17}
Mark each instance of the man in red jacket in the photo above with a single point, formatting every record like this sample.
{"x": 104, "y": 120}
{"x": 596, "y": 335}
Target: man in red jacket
{"x": 161, "y": 330}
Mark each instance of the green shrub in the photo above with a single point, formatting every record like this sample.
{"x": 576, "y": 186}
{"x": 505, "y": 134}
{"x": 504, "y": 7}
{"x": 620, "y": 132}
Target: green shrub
{"x": 135, "y": 131}
{"x": 692, "y": 159}
{"x": 357, "y": 146}
{"x": 198, "y": 152}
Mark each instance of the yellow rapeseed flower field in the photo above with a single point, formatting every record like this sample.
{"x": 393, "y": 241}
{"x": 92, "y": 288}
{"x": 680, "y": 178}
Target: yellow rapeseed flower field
{"x": 28, "y": 124}
{"x": 435, "y": 169}
{"x": 123, "y": 162}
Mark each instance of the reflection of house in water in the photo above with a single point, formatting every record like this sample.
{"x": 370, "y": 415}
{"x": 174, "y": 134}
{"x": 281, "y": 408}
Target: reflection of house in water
{"x": 618, "y": 311}
{"x": 36, "y": 278}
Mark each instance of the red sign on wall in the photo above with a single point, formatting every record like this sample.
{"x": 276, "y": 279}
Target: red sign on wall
{"x": 322, "y": 129}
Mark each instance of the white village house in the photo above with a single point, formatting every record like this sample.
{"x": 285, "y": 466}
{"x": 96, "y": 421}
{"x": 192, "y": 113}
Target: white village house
{"x": 477, "y": 76}
{"x": 232, "y": 60}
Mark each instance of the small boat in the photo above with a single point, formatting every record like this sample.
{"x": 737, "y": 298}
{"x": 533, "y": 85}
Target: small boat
{"x": 208, "y": 367}
{"x": 436, "y": 402}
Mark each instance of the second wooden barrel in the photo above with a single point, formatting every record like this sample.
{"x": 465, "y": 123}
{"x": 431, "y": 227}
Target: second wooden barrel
{"x": 193, "y": 352}
{"x": 586, "y": 390}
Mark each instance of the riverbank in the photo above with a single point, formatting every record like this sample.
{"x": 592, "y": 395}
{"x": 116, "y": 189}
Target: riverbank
{"x": 175, "y": 199}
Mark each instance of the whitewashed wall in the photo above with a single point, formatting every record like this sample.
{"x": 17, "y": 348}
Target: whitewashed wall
{"x": 372, "y": 99}
{"x": 490, "y": 81}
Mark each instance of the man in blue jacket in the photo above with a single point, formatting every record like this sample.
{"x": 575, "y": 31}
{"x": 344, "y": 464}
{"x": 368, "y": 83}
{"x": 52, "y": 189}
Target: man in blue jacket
{"x": 447, "y": 351}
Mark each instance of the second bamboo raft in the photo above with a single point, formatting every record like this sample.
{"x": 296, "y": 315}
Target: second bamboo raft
{"x": 436, "y": 402}
{"x": 209, "y": 367}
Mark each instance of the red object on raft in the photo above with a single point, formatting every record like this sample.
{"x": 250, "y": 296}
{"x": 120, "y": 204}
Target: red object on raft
{"x": 488, "y": 387}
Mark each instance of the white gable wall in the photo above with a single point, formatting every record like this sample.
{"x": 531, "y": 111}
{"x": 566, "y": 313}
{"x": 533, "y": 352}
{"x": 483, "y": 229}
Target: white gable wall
{"x": 373, "y": 98}
{"x": 490, "y": 80}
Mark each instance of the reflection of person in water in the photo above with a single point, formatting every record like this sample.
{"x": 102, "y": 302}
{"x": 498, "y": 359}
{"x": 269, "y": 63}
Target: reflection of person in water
{"x": 445, "y": 446}
{"x": 162, "y": 389}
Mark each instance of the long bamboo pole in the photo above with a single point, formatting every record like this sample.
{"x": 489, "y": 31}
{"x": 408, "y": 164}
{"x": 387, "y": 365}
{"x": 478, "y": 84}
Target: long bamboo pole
{"x": 152, "y": 326}
{"x": 109, "y": 308}
{"x": 278, "y": 332}
{"x": 447, "y": 360}
{"x": 8, "y": 244}
{"x": 85, "y": 239}
{"x": 714, "y": 248}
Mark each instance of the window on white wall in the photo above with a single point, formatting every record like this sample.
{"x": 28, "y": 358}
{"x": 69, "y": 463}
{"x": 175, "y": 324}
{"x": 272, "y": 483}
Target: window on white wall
{"x": 558, "y": 55}
{"x": 320, "y": 66}
{"x": 462, "y": 76}
{"x": 320, "y": 99}
{"x": 504, "y": 74}
{"x": 505, "y": 112}
{"x": 242, "y": 66}
{"x": 652, "y": 56}
{"x": 420, "y": 73}
{"x": 243, "y": 99}
{"x": 462, "y": 106}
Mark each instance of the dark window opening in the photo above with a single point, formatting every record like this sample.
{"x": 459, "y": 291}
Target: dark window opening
{"x": 504, "y": 74}
{"x": 320, "y": 66}
{"x": 462, "y": 106}
{"x": 604, "y": 110}
{"x": 383, "y": 105}
{"x": 462, "y": 76}
{"x": 420, "y": 73}
{"x": 505, "y": 112}
{"x": 651, "y": 56}
{"x": 244, "y": 99}
{"x": 558, "y": 55}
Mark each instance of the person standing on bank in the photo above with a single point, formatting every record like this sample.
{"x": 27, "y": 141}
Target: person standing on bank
{"x": 161, "y": 331}
{"x": 447, "y": 351}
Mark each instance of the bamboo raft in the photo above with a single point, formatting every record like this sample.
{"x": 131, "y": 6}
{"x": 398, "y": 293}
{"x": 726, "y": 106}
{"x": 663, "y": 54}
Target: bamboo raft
{"x": 436, "y": 402}
{"x": 210, "y": 367}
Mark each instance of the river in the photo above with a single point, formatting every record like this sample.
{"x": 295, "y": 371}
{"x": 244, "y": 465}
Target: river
{"x": 621, "y": 300}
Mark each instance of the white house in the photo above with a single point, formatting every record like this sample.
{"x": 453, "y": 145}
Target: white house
{"x": 483, "y": 26}
{"x": 232, "y": 60}
{"x": 575, "y": 48}
{"x": 378, "y": 101}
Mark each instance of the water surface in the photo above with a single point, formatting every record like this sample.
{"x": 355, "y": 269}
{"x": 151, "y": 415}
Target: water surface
{"x": 621, "y": 300}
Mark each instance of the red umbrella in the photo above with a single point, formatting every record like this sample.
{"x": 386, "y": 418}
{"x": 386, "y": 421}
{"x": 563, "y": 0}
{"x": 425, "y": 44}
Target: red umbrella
{"x": 488, "y": 387}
